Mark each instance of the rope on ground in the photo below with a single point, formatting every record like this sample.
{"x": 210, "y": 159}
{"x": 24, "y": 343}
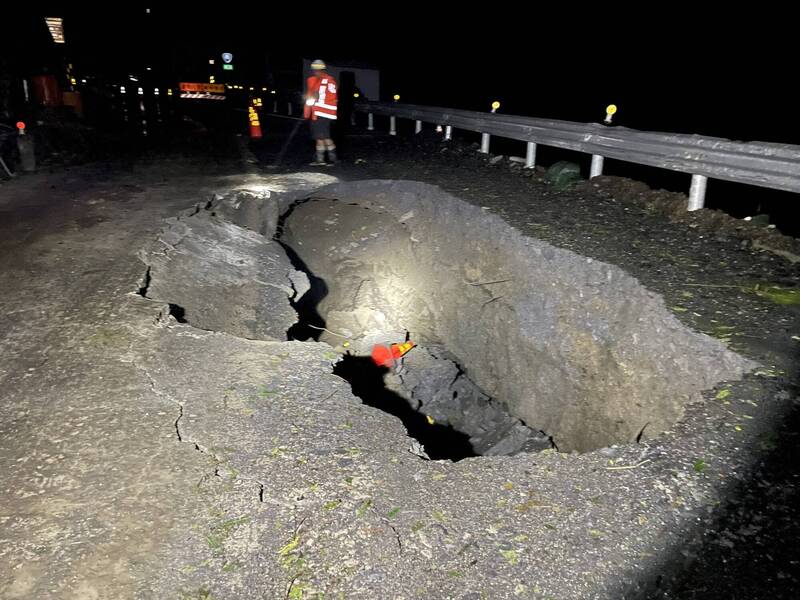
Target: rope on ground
{"x": 329, "y": 331}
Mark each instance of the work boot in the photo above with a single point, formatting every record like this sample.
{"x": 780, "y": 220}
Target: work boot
{"x": 331, "y": 157}
{"x": 320, "y": 161}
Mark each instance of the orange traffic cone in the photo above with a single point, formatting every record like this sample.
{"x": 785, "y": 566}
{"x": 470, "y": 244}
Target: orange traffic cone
{"x": 388, "y": 357}
{"x": 255, "y": 124}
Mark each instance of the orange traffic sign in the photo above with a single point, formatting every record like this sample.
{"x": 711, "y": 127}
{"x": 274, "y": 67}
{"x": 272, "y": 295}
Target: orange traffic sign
{"x": 214, "y": 88}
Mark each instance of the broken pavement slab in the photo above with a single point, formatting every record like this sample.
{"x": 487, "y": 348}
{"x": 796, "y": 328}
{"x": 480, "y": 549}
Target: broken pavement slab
{"x": 221, "y": 277}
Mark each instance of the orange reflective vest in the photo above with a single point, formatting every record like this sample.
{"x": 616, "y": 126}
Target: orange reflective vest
{"x": 321, "y": 97}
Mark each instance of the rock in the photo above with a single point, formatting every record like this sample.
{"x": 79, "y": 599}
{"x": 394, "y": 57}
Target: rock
{"x": 224, "y": 278}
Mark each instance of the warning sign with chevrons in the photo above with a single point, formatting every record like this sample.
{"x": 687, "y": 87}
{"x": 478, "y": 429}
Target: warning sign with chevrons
{"x": 212, "y": 88}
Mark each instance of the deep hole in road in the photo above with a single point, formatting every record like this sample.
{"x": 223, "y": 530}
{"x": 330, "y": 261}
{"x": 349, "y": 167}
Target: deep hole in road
{"x": 367, "y": 381}
{"x": 440, "y": 407}
{"x": 515, "y": 336}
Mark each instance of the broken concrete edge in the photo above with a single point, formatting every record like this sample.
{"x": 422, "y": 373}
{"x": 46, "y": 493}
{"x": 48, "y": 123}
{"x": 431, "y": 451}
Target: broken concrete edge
{"x": 250, "y": 201}
{"x": 256, "y": 202}
{"x": 221, "y": 277}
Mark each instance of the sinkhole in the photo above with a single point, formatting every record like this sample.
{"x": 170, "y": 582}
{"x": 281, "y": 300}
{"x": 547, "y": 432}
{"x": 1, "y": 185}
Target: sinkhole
{"x": 521, "y": 346}
{"x": 441, "y": 408}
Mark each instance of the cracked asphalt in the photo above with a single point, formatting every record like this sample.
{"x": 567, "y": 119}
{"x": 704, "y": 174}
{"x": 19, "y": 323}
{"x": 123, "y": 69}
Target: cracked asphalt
{"x": 146, "y": 458}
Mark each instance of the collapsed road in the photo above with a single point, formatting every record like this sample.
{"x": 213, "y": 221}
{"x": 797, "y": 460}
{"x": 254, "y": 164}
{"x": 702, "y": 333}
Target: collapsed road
{"x": 251, "y": 467}
{"x": 574, "y": 346}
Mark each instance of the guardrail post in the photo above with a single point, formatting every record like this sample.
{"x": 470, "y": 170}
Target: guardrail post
{"x": 597, "y": 166}
{"x": 289, "y": 104}
{"x": 485, "y": 136}
{"x": 370, "y": 122}
{"x": 275, "y": 106}
{"x": 530, "y": 156}
{"x": 393, "y": 119}
{"x": 448, "y": 132}
{"x": 697, "y": 192}
{"x": 418, "y": 127}
{"x": 485, "y": 143}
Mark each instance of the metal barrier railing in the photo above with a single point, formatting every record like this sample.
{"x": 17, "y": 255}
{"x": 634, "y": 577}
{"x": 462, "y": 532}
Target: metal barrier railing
{"x": 770, "y": 165}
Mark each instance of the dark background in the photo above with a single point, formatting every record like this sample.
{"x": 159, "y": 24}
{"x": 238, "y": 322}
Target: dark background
{"x": 731, "y": 74}
{"x": 726, "y": 71}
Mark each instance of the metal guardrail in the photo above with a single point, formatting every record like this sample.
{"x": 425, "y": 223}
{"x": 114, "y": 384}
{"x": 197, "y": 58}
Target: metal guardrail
{"x": 770, "y": 165}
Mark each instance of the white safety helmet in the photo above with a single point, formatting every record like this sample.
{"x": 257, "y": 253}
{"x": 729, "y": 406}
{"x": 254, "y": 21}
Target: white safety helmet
{"x": 319, "y": 65}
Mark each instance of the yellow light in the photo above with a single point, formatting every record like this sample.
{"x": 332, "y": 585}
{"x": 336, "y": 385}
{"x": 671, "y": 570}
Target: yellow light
{"x": 495, "y": 105}
{"x": 263, "y": 89}
{"x": 396, "y": 97}
{"x": 611, "y": 109}
{"x": 356, "y": 95}
{"x": 251, "y": 89}
{"x": 169, "y": 92}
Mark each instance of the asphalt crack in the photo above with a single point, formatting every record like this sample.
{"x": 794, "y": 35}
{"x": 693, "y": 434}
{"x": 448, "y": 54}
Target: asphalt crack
{"x": 145, "y": 283}
{"x": 392, "y": 527}
{"x": 177, "y": 421}
{"x": 260, "y": 487}
{"x": 163, "y": 396}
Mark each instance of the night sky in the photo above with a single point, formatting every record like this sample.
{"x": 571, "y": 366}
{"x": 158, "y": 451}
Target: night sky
{"x": 733, "y": 74}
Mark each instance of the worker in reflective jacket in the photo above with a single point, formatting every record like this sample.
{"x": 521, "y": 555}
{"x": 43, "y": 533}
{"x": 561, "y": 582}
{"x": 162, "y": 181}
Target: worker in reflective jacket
{"x": 320, "y": 110}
